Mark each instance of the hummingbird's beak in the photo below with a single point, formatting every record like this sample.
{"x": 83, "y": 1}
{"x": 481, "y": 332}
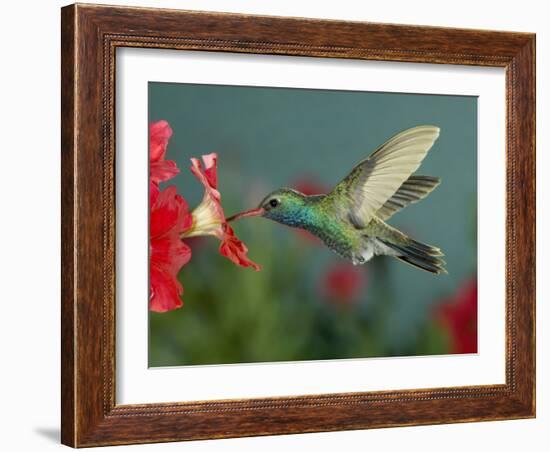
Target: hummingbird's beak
{"x": 247, "y": 213}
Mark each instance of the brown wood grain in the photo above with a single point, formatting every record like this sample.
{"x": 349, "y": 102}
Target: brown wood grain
{"x": 68, "y": 297}
{"x": 90, "y": 36}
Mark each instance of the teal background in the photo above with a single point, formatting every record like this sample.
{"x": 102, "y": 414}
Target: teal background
{"x": 272, "y": 137}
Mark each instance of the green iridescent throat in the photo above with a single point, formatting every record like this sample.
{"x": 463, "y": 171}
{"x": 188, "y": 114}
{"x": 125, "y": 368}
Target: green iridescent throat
{"x": 304, "y": 212}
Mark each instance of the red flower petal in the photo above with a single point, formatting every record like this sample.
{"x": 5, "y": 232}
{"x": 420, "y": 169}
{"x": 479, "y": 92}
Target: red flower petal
{"x": 160, "y": 169}
{"x": 160, "y": 133}
{"x": 169, "y": 216}
{"x": 170, "y": 253}
{"x": 211, "y": 168}
{"x": 165, "y": 290}
{"x": 154, "y": 192}
{"x": 235, "y": 250}
{"x": 169, "y": 211}
{"x": 207, "y": 177}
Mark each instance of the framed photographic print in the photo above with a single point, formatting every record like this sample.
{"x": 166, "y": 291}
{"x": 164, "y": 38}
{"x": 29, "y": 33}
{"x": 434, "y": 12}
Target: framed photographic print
{"x": 281, "y": 225}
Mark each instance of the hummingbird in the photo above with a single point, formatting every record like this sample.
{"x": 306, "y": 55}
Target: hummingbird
{"x": 351, "y": 219}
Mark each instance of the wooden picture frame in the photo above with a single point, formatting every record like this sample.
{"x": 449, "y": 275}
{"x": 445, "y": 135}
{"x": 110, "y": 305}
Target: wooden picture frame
{"x": 90, "y": 36}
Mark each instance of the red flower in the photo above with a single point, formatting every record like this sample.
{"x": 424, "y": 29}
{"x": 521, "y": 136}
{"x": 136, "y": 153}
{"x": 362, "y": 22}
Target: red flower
{"x": 459, "y": 317}
{"x": 170, "y": 221}
{"x": 309, "y": 186}
{"x": 343, "y": 283}
{"x": 159, "y": 169}
{"x": 209, "y": 217}
{"x": 235, "y": 250}
{"x": 169, "y": 217}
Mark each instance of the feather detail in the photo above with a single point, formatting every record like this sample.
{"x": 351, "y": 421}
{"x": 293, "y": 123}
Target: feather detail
{"x": 375, "y": 180}
{"x": 413, "y": 190}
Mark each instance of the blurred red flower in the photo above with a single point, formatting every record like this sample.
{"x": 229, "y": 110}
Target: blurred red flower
{"x": 343, "y": 283}
{"x": 458, "y": 316}
{"x": 310, "y": 186}
{"x": 209, "y": 217}
{"x": 169, "y": 217}
{"x": 159, "y": 169}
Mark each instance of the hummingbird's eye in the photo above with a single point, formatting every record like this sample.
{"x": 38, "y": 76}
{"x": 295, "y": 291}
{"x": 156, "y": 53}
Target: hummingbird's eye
{"x": 274, "y": 203}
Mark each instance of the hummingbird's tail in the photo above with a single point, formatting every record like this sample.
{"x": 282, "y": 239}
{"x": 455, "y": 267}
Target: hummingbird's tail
{"x": 420, "y": 255}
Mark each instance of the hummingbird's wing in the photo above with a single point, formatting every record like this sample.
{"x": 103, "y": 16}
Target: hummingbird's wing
{"x": 414, "y": 189}
{"x": 375, "y": 180}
